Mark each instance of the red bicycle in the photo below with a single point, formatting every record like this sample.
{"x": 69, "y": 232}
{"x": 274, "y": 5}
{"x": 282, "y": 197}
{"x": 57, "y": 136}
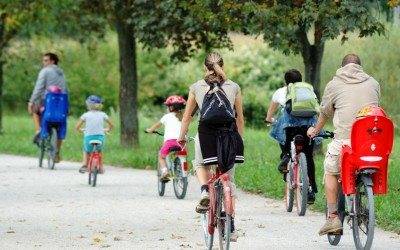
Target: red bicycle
{"x": 95, "y": 158}
{"x": 220, "y": 211}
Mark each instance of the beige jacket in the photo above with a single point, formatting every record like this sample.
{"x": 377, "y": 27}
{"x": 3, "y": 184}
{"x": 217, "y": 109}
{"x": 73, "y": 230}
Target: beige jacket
{"x": 346, "y": 94}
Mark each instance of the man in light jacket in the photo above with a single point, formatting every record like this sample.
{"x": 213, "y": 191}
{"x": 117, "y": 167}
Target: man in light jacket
{"x": 345, "y": 95}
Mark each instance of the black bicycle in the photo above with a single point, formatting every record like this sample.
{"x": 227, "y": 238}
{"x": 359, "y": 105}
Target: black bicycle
{"x": 48, "y": 147}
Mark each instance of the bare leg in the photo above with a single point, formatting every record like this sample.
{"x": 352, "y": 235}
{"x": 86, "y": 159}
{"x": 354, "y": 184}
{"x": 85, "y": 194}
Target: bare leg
{"x": 59, "y": 144}
{"x": 203, "y": 174}
{"x": 162, "y": 162}
{"x": 36, "y": 120}
{"x": 331, "y": 190}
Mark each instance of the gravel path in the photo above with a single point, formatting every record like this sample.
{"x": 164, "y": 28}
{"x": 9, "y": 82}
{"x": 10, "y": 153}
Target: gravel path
{"x": 44, "y": 209}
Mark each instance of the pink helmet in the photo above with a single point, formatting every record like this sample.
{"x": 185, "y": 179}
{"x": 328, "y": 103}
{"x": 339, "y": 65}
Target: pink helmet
{"x": 371, "y": 111}
{"x": 175, "y": 99}
{"x": 54, "y": 89}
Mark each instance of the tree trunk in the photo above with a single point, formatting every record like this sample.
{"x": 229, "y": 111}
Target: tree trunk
{"x": 1, "y": 93}
{"x": 128, "y": 83}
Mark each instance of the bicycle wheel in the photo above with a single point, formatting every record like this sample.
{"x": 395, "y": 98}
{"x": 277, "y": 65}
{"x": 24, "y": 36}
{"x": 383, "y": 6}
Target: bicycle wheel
{"x": 364, "y": 214}
{"x": 301, "y": 185}
{"x": 334, "y": 239}
{"x": 42, "y": 149}
{"x": 208, "y": 238}
{"x": 51, "y": 148}
{"x": 94, "y": 175}
{"x": 160, "y": 184}
{"x": 223, "y": 219}
{"x": 180, "y": 183}
{"x": 289, "y": 191}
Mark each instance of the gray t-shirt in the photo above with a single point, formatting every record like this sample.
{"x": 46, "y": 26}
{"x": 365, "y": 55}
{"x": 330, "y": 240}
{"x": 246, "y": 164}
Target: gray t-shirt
{"x": 200, "y": 88}
{"x": 50, "y": 75}
{"x": 94, "y": 122}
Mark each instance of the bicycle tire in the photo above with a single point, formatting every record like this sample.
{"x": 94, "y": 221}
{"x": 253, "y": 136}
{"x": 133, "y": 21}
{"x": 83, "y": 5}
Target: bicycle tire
{"x": 364, "y": 215}
{"x": 180, "y": 183}
{"x": 94, "y": 174}
{"x": 41, "y": 152}
{"x": 208, "y": 238}
{"x": 51, "y": 148}
{"x": 301, "y": 185}
{"x": 160, "y": 184}
{"x": 289, "y": 191}
{"x": 223, "y": 219}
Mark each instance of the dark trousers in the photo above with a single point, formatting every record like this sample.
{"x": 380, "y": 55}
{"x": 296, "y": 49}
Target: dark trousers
{"x": 308, "y": 146}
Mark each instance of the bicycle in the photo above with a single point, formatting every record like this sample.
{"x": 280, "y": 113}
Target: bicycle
{"x": 178, "y": 170}
{"x": 219, "y": 215}
{"x": 363, "y": 175}
{"x": 48, "y": 145}
{"x": 297, "y": 181}
{"x": 95, "y": 158}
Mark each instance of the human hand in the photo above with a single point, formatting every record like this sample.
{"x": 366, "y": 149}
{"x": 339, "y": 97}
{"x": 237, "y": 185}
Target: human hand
{"x": 311, "y": 132}
{"x": 30, "y": 108}
{"x": 182, "y": 141}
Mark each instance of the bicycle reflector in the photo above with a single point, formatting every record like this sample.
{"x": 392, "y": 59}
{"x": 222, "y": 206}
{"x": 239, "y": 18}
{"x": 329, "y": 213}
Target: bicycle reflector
{"x": 298, "y": 142}
{"x": 185, "y": 166}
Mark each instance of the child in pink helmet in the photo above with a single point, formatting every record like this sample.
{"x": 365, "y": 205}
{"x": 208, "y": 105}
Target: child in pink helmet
{"x": 172, "y": 126}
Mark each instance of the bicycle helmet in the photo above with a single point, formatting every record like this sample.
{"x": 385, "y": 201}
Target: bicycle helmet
{"x": 94, "y": 102}
{"x": 54, "y": 89}
{"x": 371, "y": 111}
{"x": 175, "y": 101}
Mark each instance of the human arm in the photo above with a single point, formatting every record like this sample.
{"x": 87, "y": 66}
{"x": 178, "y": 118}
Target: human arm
{"x": 40, "y": 87}
{"x": 187, "y": 117}
{"x": 79, "y": 125}
{"x": 314, "y": 131}
{"x": 110, "y": 125}
{"x": 273, "y": 106}
{"x": 154, "y": 127}
{"x": 239, "y": 113}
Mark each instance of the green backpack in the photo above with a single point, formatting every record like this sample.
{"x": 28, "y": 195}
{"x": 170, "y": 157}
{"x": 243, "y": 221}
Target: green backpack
{"x": 301, "y": 100}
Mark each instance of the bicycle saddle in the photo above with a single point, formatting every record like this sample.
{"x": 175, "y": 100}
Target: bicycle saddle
{"x": 175, "y": 149}
{"x": 95, "y": 142}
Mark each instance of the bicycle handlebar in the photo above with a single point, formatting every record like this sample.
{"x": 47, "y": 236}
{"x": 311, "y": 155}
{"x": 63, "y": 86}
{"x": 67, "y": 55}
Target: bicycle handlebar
{"x": 325, "y": 135}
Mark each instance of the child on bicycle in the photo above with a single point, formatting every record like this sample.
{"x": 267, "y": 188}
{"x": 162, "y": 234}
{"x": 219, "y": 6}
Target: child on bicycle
{"x": 172, "y": 126}
{"x": 94, "y": 129}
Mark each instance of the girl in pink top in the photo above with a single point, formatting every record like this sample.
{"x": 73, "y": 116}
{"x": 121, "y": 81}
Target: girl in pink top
{"x": 172, "y": 127}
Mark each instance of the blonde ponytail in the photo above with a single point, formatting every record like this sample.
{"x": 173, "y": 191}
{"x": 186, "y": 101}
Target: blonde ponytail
{"x": 214, "y": 63}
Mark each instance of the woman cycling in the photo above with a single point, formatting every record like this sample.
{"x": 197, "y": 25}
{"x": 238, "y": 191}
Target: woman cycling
{"x": 213, "y": 67}
{"x": 172, "y": 127}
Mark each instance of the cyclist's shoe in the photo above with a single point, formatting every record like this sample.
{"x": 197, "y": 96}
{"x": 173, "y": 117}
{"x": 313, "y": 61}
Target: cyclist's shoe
{"x": 282, "y": 167}
{"x": 164, "y": 177}
{"x": 101, "y": 171}
{"x": 234, "y": 236}
{"x": 83, "y": 169}
{"x": 201, "y": 209}
{"x": 310, "y": 197}
{"x": 204, "y": 199}
{"x": 36, "y": 138}
{"x": 57, "y": 159}
{"x": 332, "y": 225}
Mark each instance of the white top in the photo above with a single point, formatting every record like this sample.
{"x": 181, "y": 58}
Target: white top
{"x": 172, "y": 126}
{"x": 94, "y": 122}
{"x": 280, "y": 96}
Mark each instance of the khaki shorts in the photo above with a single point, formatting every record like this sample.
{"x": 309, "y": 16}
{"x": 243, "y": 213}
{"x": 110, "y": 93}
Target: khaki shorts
{"x": 198, "y": 163}
{"x": 332, "y": 156}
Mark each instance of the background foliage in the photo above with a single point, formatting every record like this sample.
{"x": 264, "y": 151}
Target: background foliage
{"x": 93, "y": 69}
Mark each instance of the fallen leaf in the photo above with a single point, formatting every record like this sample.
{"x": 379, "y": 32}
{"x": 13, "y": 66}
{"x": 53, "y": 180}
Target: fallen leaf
{"x": 116, "y": 238}
{"x": 11, "y": 232}
{"x": 97, "y": 240}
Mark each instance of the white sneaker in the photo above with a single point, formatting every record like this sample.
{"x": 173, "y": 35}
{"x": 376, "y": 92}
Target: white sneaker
{"x": 204, "y": 199}
{"x": 234, "y": 236}
{"x": 164, "y": 177}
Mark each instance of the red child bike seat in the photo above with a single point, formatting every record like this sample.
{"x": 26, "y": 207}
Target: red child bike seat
{"x": 371, "y": 144}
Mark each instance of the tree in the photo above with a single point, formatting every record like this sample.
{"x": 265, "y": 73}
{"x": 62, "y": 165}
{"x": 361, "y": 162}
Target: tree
{"x": 13, "y": 16}
{"x": 287, "y": 26}
{"x": 154, "y": 24}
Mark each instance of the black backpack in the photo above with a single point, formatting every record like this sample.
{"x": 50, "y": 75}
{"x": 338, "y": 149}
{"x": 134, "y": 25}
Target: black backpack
{"x": 216, "y": 109}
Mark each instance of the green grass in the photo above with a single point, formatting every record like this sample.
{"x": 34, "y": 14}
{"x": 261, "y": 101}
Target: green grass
{"x": 257, "y": 175}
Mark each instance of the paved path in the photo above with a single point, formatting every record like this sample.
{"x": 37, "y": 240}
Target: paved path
{"x": 44, "y": 209}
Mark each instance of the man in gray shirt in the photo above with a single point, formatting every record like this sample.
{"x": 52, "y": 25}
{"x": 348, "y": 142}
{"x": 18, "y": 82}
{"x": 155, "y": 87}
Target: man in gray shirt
{"x": 49, "y": 75}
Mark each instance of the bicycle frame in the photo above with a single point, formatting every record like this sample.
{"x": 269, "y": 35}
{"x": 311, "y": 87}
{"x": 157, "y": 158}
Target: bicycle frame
{"x": 217, "y": 181}
{"x": 94, "y": 159}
